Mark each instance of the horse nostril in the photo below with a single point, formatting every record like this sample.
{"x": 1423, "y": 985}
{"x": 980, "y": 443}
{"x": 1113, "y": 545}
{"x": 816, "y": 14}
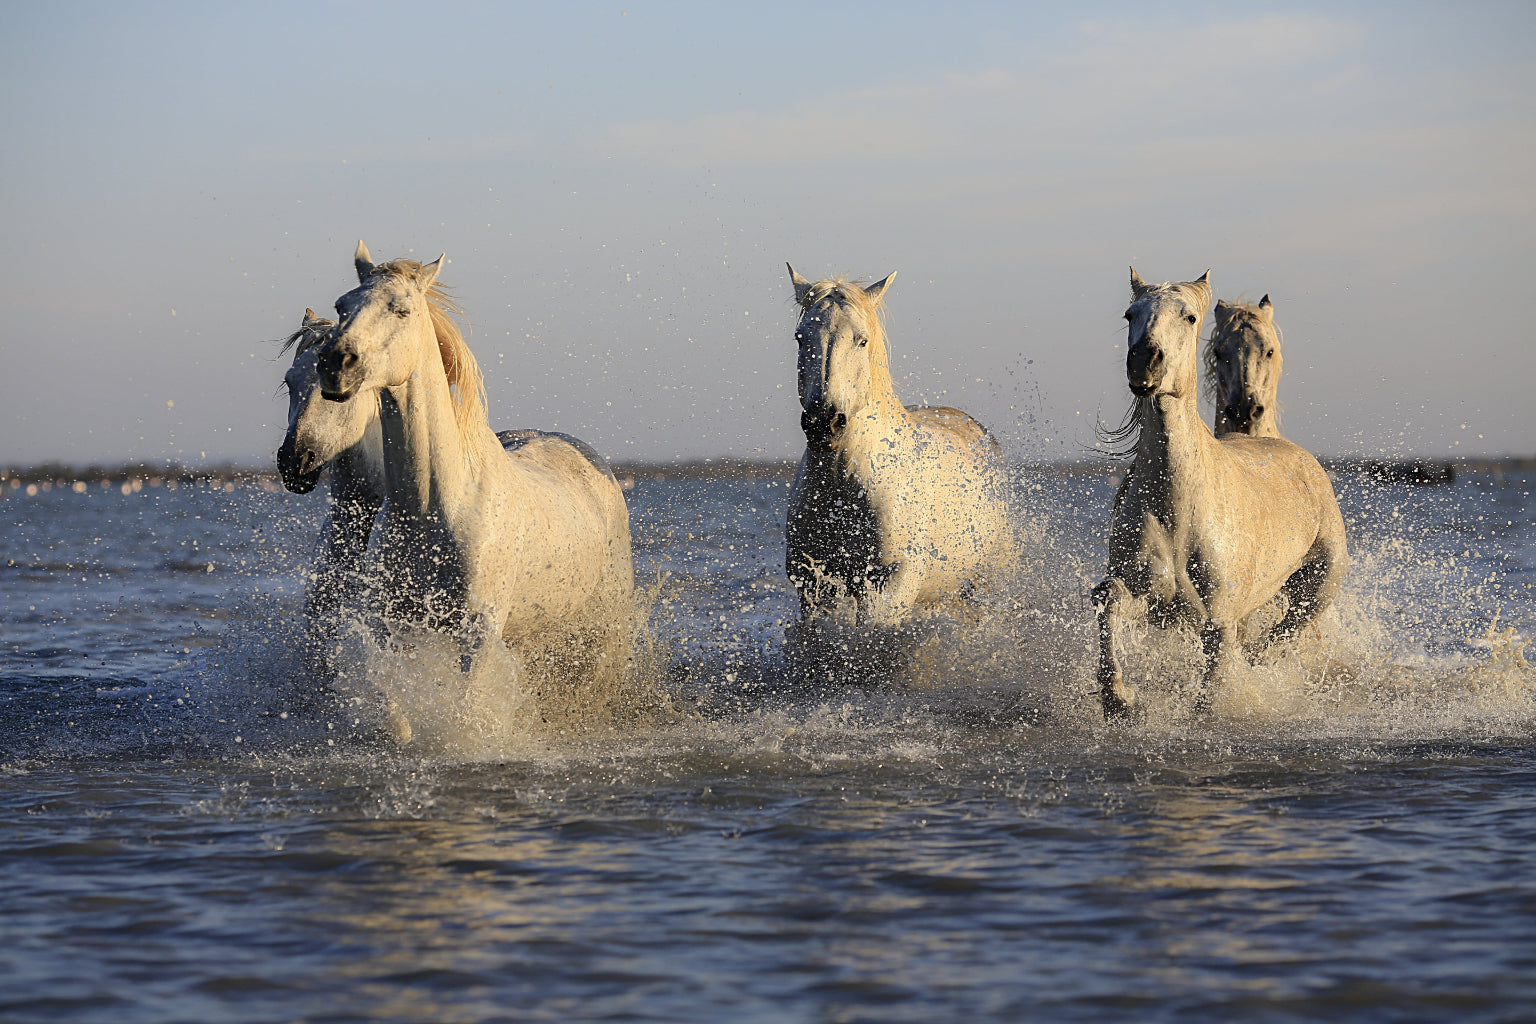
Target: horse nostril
{"x": 348, "y": 360}
{"x": 1258, "y": 410}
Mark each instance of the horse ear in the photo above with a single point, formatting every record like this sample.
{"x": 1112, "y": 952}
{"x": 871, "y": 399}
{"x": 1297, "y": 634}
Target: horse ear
{"x": 1204, "y": 282}
{"x": 1138, "y": 286}
{"x": 427, "y": 274}
{"x": 1266, "y": 307}
{"x": 1223, "y": 312}
{"x": 802, "y": 286}
{"x": 363, "y": 262}
{"x": 877, "y": 290}
{"x": 310, "y": 320}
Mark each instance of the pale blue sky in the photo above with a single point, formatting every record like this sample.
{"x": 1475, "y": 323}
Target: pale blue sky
{"x": 617, "y": 188}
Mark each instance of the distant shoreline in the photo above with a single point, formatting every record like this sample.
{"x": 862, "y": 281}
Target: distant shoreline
{"x": 58, "y": 474}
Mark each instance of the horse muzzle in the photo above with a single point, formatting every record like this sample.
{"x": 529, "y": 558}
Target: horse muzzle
{"x": 1143, "y": 369}
{"x": 1243, "y": 415}
{"x": 824, "y": 425}
{"x": 298, "y": 469}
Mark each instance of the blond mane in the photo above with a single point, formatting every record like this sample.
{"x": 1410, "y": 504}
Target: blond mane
{"x": 843, "y": 289}
{"x": 465, "y": 381}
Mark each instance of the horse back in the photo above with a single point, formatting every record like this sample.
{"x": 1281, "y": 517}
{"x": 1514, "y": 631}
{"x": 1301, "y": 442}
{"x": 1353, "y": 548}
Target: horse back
{"x": 957, "y": 422}
{"x": 514, "y": 440}
{"x": 1275, "y": 469}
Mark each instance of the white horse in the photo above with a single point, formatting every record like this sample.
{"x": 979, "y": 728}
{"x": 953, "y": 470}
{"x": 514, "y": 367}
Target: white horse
{"x": 345, "y": 437}
{"x": 525, "y": 545}
{"x": 897, "y": 508}
{"x": 1205, "y": 529}
{"x": 1242, "y": 369}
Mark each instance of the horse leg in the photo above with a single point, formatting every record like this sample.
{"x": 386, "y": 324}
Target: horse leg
{"x": 892, "y": 604}
{"x": 1113, "y": 602}
{"x": 1218, "y": 641}
{"x": 476, "y": 634}
{"x": 1310, "y": 590}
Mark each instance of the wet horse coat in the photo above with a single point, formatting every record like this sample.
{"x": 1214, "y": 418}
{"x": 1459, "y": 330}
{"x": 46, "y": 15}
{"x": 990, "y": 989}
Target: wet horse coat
{"x": 474, "y": 540}
{"x": 1205, "y": 530}
{"x": 896, "y": 508}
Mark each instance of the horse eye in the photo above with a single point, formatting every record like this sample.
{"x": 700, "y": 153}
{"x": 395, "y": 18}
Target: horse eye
{"x": 1191, "y": 318}
{"x": 862, "y": 342}
{"x": 1270, "y": 354}
{"x": 1129, "y": 316}
{"x": 799, "y": 336}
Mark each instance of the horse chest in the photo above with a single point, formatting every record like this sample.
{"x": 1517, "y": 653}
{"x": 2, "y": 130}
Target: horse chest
{"x": 424, "y": 571}
{"x": 834, "y": 529}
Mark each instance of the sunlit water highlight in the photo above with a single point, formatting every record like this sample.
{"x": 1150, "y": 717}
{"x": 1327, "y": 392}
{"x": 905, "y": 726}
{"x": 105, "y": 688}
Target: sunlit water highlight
{"x": 191, "y": 831}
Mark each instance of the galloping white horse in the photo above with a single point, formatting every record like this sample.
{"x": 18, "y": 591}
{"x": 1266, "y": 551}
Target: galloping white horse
{"x": 896, "y": 507}
{"x": 344, "y": 436}
{"x": 1206, "y": 529}
{"x": 1242, "y": 369}
{"x": 475, "y": 540}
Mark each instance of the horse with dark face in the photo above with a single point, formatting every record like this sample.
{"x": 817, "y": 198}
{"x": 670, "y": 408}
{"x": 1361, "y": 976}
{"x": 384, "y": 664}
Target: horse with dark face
{"x": 1242, "y": 369}
{"x": 345, "y": 438}
{"x": 895, "y": 508}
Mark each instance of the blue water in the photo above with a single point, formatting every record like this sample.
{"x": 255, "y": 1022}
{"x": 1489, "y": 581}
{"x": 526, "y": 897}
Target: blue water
{"x": 188, "y": 832}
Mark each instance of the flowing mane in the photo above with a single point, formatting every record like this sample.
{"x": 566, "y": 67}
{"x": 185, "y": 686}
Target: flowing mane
{"x": 1120, "y": 442}
{"x": 313, "y": 331}
{"x": 459, "y": 364}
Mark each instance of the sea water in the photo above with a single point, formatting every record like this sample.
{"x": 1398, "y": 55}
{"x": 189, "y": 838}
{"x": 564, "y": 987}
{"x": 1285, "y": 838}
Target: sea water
{"x": 191, "y": 830}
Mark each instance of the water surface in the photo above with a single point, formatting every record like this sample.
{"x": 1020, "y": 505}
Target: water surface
{"x": 188, "y": 833}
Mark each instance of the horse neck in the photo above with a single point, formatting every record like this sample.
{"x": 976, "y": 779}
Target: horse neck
{"x": 428, "y": 463}
{"x": 358, "y": 472}
{"x": 356, "y": 495}
{"x": 1174, "y": 439}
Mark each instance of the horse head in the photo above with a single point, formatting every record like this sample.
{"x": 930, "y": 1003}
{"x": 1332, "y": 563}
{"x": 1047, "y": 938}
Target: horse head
{"x": 1243, "y": 367}
{"x": 843, "y": 361}
{"x": 318, "y": 431}
{"x": 1164, "y": 335}
{"x": 384, "y": 323}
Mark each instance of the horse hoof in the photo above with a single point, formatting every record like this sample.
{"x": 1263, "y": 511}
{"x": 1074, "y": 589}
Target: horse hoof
{"x": 1122, "y": 712}
{"x": 1200, "y": 710}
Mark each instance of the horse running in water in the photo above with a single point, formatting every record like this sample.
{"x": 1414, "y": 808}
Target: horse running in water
{"x": 345, "y": 437}
{"x": 1206, "y": 529}
{"x": 528, "y": 545}
{"x": 896, "y": 508}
